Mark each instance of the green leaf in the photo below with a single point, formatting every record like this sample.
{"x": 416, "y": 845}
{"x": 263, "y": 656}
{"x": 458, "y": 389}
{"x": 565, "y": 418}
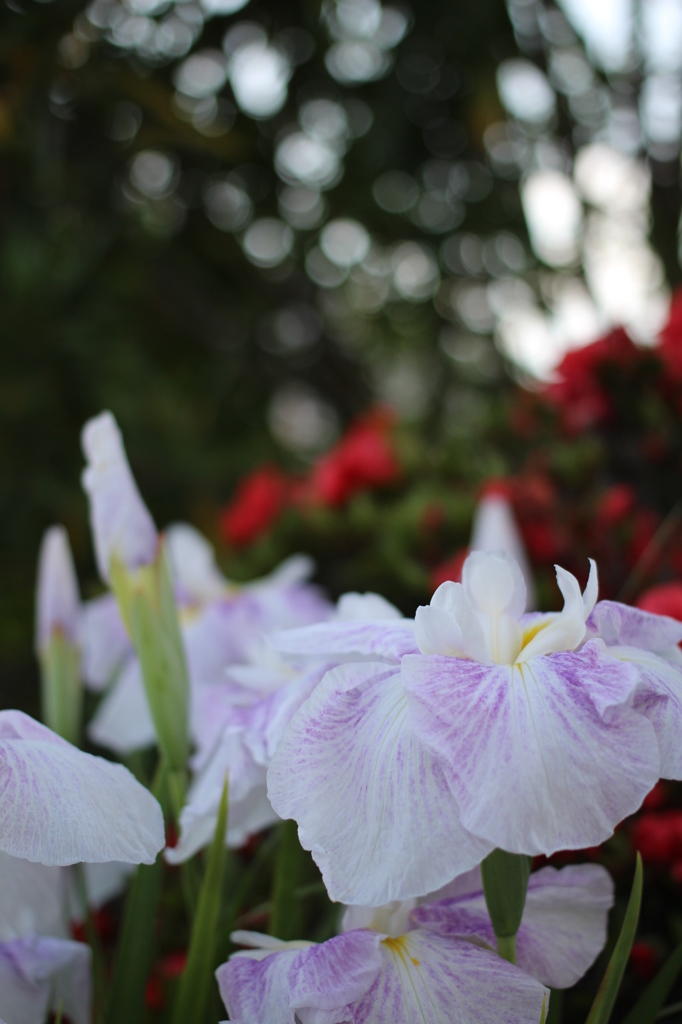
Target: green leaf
{"x": 195, "y": 985}
{"x": 650, "y": 1002}
{"x": 136, "y": 940}
{"x": 602, "y": 1006}
{"x": 285, "y": 917}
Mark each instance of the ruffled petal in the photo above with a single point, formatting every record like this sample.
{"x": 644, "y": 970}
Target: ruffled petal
{"x": 371, "y": 803}
{"x": 429, "y": 979}
{"x": 659, "y": 698}
{"x": 543, "y": 756}
{"x": 37, "y": 973}
{"x": 385, "y": 639}
{"x": 289, "y": 984}
{"x": 120, "y": 520}
{"x": 619, "y": 624}
{"x": 60, "y": 806}
{"x": 105, "y": 641}
{"x": 564, "y": 924}
{"x": 123, "y": 722}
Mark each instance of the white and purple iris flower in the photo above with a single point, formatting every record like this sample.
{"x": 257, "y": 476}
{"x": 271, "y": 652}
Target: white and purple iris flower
{"x": 40, "y": 966}
{"x": 473, "y": 727}
{"x": 221, "y": 623}
{"x": 60, "y": 806}
{"x": 239, "y": 724}
{"x": 404, "y": 964}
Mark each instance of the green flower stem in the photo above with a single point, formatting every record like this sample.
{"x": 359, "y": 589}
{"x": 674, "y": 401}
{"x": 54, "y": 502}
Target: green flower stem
{"x": 92, "y": 936}
{"x": 61, "y": 688}
{"x": 506, "y": 947}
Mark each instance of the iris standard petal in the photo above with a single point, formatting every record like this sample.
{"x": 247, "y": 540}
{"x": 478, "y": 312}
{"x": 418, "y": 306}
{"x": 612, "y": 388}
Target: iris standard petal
{"x": 59, "y": 805}
{"x": 372, "y": 804}
{"x": 383, "y": 639}
{"x": 565, "y": 631}
{"x": 287, "y": 984}
{"x": 430, "y": 979}
{"x": 449, "y": 625}
{"x": 659, "y": 698}
{"x": 544, "y": 756}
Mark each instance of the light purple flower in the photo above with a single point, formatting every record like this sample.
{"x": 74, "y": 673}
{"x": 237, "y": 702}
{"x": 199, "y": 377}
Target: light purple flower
{"x": 492, "y": 729}
{"x": 648, "y": 643}
{"x": 121, "y": 523}
{"x": 239, "y": 724}
{"x": 39, "y": 964}
{"x": 38, "y": 973}
{"x": 221, "y": 623}
{"x": 57, "y": 599}
{"x": 59, "y": 805}
{"x": 366, "y": 977}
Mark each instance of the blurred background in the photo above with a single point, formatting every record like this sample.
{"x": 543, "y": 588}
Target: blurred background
{"x": 248, "y": 227}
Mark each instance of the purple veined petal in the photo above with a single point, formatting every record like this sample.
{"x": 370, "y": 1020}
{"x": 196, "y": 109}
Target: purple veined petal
{"x": 494, "y": 529}
{"x": 105, "y": 641}
{"x": 192, "y": 564}
{"x": 564, "y": 924}
{"x": 371, "y": 803}
{"x": 123, "y": 722}
{"x": 31, "y": 899}
{"x": 428, "y": 978}
{"x": 543, "y": 756}
{"x": 620, "y": 625}
{"x": 57, "y": 598}
{"x": 383, "y": 640}
{"x": 249, "y": 808}
{"x": 37, "y": 973}
{"x": 293, "y": 982}
{"x": 121, "y": 523}
{"x": 659, "y": 699}
{"x": 59, "y": 805}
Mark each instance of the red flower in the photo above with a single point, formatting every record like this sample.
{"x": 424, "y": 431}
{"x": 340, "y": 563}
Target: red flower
{"x": 615, "y": 505}
{"x": 658, "y": 836}
{"x": 578, "y": 392}
{"x": 670, "y": 348}
{"x": 363, "y": 458}
{"x": 449, "y": 570}
{"x": 173, "y": 964}
{"x": 154, "y": 998}
{"x": 664, "y": 599}
{"x": 644, "y": 960}
{"x": 657, "y": 797}
{"x": 260, "y": 498}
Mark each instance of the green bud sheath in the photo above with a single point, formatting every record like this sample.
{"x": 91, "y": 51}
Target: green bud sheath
{"x": 148, "y": 608}
{"x": 61, "y": 688}
{"x": 505, "y": 881}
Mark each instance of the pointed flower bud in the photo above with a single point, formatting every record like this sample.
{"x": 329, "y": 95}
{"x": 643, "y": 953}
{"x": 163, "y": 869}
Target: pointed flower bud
{"x": 494, "y": 529}
{"x": 121, "y": 523}
{"x": 58, "y": 628}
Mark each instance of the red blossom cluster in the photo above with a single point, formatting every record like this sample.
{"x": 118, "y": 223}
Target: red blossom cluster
{"x": 362, "y": 460}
